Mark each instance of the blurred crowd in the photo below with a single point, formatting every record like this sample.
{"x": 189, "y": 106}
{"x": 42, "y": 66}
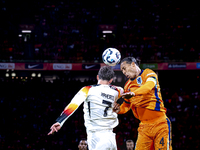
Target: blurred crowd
{"x": 29, "y": 107}
{"x": 70, "y": 31}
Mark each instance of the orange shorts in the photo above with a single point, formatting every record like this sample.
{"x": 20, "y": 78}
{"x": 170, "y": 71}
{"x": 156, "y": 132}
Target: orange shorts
{"x": 154, "y": 134}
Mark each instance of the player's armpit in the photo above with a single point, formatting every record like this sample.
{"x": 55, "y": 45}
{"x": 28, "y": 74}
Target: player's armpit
{"x": 146, "y": 88}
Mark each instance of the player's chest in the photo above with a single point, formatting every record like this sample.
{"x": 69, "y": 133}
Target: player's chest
{"x": 134, "y": 84}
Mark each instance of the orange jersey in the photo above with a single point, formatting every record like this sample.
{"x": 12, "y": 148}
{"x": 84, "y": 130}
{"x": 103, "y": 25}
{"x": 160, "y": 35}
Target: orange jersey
{"x": 147, "y": 93}
{"x": 154, "y": 131}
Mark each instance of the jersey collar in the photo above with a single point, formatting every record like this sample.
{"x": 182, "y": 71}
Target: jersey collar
{"x": 136, "y": 77}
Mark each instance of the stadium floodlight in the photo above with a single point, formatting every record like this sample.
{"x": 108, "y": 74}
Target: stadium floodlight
{"x": 107, "y": 31}
{"x": 13, "y": 74}
{"x": 39, "y": 75}
{"x": 33, "y": 74}
{"x": 7, "y": 74}
{"x": 26, "y": 31}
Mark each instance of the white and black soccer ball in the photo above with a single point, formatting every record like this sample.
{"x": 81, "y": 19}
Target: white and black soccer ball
{"x": 111, "y": 56}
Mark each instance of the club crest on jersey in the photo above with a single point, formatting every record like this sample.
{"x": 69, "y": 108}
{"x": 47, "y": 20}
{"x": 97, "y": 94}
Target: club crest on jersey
{"x": 139, "y": 80}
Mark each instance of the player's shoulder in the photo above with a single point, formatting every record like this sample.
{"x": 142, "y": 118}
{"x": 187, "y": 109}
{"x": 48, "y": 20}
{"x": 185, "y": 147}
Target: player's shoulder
{"x": 148, "y": 72}
{"x": 113, "y": 87}
{"x": 91, "y": 86}
{"x": 86, "y": 88}
{"x": 128, "y": 83}
{"x": 117, "y": 88}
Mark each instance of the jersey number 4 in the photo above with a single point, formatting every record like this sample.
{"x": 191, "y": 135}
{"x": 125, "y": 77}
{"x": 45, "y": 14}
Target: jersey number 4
{"x": 162, "y": 141}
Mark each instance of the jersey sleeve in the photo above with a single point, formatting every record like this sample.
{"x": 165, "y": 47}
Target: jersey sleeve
{"x": 125, "y": 107}
{"x": 146, "y": 88}
{"x": 77, "y": 100}
{"x": 148, "y": 85}
{"x": 120, "y": 91}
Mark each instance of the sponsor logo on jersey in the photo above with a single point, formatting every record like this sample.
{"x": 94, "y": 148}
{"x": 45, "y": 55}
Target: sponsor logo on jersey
{"x": 139, "y": 80}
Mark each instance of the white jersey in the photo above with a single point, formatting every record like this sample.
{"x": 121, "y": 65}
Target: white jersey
{"x": 98, "y": 114}
{"x": 98, "y": 107}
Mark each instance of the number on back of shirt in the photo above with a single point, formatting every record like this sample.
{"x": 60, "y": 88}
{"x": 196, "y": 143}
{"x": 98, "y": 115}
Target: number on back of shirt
{"x": 108, "y": 106}
{"x": 162, "y": 141}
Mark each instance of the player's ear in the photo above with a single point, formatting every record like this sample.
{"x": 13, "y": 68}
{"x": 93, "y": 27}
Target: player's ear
{"x": 97, "y": 77}
{"x": 110, "y": 81}
{"x": 133, "y": 64}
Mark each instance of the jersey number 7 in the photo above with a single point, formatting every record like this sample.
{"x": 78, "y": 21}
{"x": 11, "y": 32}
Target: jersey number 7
{"x": 106, "y": 109}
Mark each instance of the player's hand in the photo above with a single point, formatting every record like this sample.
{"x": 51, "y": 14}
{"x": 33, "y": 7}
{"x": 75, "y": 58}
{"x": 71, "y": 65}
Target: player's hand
{"x": 54, "y": 128}
{"x": 128, "y": 95}
{"x": 116, "y": 107}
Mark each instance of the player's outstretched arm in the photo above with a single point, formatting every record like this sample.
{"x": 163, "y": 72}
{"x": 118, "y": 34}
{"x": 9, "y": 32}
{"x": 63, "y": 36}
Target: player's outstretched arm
{"x": 121, "y": 106}
{"x": 128, "y": 95}
{"x": 54, "y": 128}
{"x": 77, "y": 100}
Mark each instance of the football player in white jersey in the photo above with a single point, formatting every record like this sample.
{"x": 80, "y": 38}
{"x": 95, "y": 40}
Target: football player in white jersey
{"x": 99, "y": 117}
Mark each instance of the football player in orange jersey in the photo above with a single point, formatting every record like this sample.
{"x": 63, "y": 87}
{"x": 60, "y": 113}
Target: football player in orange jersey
{"x": 142, "y": 95}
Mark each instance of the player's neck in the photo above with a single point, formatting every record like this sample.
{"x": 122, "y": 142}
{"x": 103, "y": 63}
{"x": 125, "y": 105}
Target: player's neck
{"x": 138, "y": 71}
{"x": 104, "y": 82}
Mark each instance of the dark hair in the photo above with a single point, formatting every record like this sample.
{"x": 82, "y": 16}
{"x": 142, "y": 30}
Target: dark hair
{"x": 82, "y": 139}
{"x": 128, "y": 141}
{"x": 106, "y": 73}
{"x": 129, "y": 60}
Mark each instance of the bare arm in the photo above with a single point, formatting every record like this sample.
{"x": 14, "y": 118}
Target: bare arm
{"x": 54, "y": 128}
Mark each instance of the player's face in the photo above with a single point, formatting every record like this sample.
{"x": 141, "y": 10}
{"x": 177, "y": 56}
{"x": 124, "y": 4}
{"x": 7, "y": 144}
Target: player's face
{"x": 129, "y": 145}
{"x": 82, "y": 145}
{"x": 129, "y": 70}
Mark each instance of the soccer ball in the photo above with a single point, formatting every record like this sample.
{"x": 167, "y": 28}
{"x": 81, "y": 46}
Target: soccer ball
{"x": 111, "y": 56}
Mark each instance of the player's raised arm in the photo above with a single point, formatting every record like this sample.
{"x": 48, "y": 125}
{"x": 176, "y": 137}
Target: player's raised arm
{"x": 77, "y": 100}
